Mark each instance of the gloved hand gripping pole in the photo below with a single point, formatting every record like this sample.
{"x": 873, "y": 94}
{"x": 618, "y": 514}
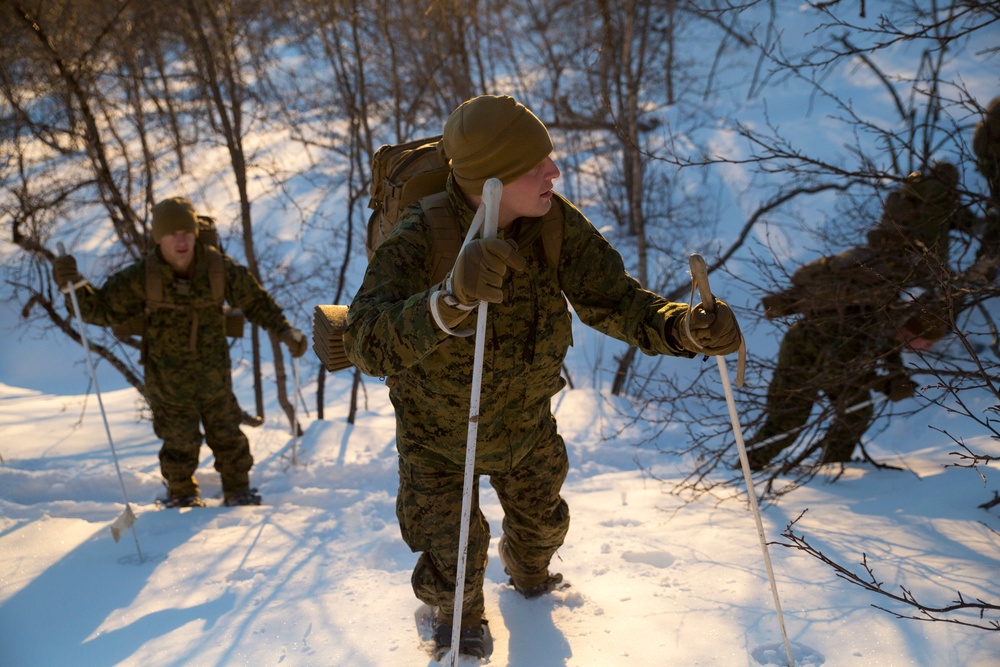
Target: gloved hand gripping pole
{"x": 699, "y": 279}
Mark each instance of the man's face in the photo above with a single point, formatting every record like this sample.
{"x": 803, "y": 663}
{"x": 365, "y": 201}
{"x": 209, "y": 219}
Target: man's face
{"x": 530, "y": 196}
{"x": 178, "y": 250}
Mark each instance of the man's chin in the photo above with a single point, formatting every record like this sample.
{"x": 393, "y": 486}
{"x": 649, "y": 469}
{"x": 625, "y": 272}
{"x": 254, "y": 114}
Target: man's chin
{"x": 543, "y": 207}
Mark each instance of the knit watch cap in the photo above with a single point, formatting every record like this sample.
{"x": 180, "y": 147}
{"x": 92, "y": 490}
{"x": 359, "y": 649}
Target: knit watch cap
{"x": 493, "y": 136}
{"x": 175, "y": 214}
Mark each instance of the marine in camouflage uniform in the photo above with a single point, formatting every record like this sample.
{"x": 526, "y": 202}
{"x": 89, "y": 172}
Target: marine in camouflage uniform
{"x": 846, "y": 351}
{"x": 188, "y": 381}
{"x": 843, "y": 350}
{"x": 844, "y": 357}
{"x": 392, "y": 333}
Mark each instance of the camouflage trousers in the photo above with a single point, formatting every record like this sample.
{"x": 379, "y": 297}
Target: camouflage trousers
{"x": 812, "y": 361}
{"x": 179, "y": 428}
{"x": 429, "y": 509}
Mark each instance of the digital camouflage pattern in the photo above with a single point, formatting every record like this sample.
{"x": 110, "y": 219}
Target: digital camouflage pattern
{"x": 186, "y": 358}
{"x": 535, "y": 522}
{"x": 179, "y": 427}
{"x": 390, "y": 333}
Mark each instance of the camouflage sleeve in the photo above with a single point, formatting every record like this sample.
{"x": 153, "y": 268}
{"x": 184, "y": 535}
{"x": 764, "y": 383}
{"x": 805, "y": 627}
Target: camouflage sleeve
{"x": 389, "y": 325}
{"x": 605, "y": 297}
{"x": 122, "y": 297}
{"x": 245, "y": 292}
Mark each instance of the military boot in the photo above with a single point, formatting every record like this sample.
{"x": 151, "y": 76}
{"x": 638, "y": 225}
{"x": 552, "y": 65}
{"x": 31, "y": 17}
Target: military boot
{"x": 182, "y": 493}
{"x": 246, "y": 497}
{"x": 528, "y": 584}
{"x": 189, "y": 500}
{"x": 470, "y": 639}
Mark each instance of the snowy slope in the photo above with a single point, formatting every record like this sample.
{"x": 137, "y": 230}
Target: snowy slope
{"x": 320, "y": 575}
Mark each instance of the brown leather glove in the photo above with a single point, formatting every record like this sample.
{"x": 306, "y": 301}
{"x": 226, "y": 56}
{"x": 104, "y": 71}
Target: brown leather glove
{"x": 480, "y": 268}
{"x": 715, "y": 333}
{"x": 296, "y": 342}
{"x": 64, "y": 271}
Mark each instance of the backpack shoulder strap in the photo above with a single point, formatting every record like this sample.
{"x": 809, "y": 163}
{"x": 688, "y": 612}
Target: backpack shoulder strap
{"x": 216, "y": 273}
{"x": 154, "y": 281}
{"x": 552, "y": 234}
{"x": 446, "y": 237}
{"x": 216, "y": 277}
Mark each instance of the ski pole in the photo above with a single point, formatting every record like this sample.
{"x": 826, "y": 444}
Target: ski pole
{"x": 699, "y": 278}
{"x": 492, "y": 190}
{"x": 295, "y": 412}
{"x": 127, "y": 519}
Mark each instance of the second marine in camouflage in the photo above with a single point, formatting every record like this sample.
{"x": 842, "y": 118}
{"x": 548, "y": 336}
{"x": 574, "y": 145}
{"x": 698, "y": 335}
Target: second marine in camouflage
{"x": 188, "y": 380}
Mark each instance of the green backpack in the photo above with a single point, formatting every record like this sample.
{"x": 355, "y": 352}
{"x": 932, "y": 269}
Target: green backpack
{"x": 829, "y": 285}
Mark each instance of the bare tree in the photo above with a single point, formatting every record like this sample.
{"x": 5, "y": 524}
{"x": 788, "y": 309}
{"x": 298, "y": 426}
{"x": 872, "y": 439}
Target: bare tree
{"x": 219, "y": 37}
{"x": 961, "y": 611}
{"x": 930, "y": 118}
{"x": 65, "y": 115}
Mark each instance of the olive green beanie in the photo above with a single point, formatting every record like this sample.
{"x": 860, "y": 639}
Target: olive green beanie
{"x": 493, "y": 136}
{"x": 175, "y": 214}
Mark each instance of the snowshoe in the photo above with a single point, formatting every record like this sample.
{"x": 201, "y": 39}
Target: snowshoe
{"x": 192, "y": 500}
{"x": 248, "y": 497}
{"x": 530, "y": 585}
{"x": 470, "y": 640}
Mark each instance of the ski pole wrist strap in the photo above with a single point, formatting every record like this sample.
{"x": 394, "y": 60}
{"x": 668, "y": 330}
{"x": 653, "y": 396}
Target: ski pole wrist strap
{"x": 452, "y": 303}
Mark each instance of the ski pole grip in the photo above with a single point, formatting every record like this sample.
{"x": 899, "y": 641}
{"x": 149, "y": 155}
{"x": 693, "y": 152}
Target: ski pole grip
{"x": 699, "y": 274}
{"x": 492, "y": 191}
{"x": 61, "y": 248}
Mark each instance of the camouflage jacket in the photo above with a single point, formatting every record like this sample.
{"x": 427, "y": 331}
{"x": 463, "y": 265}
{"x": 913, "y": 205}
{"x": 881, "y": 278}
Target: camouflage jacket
{"x": 390, "y": 332}
{"x": 174, "y": 372}
{"x": 849, "y": 347}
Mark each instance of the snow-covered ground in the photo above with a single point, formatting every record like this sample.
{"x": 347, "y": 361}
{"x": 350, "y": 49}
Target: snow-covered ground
{"x": 320, "y": 575}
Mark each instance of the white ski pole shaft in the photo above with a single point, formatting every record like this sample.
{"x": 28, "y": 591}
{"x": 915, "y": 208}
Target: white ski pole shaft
{"x": 100, "y": 402}
{"x": 699, "y": 274}
{"x": 492, "y": 191}
{"x": 295, "y": 412}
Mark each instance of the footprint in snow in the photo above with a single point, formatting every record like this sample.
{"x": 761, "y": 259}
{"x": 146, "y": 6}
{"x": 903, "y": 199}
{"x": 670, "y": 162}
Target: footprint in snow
{"x": 775, "y": 654}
